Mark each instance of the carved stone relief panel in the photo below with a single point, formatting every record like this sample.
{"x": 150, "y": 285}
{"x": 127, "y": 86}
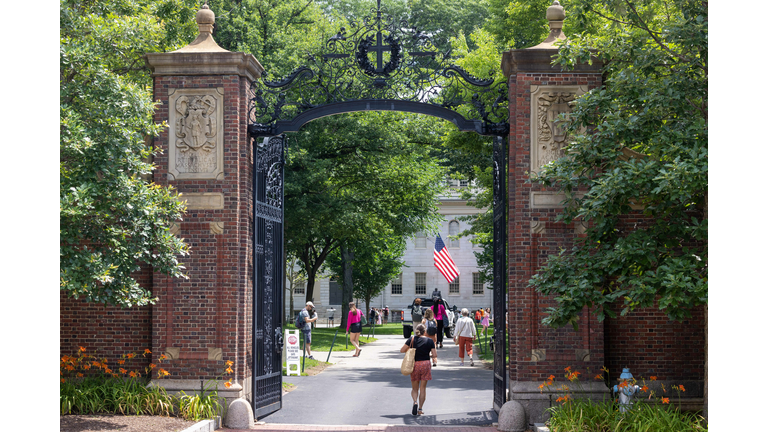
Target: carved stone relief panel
{"x": 196, "y": 136}
{"x": 547, "y": 130}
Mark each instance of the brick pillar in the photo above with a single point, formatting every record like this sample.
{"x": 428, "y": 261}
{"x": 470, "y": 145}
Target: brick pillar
{"x": 204, "y": 321}
{"x": 538, "y": 92}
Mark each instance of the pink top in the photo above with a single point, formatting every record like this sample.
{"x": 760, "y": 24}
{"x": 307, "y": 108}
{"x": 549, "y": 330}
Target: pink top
{"x": 351, "y": 319}
{"x": 438, "y": 312}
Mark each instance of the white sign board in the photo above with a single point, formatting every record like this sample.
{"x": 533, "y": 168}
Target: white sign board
{"x": 292, "y": 352}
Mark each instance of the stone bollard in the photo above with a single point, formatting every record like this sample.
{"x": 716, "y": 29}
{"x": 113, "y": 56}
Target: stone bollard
{"x": 512, "y": 417}
{"x": 239, "y": 414}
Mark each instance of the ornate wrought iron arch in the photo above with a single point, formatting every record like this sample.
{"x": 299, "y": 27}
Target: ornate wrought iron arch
{"x": 353, "y": 74}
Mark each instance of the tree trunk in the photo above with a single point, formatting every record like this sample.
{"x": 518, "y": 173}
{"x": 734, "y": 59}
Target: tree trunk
{"x": 347, "y": 255}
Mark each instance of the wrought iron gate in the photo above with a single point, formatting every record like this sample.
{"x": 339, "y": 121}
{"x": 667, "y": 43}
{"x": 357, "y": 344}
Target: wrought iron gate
{"x": 354, "y": 75}
{"x": 499, "y": 272}
{"x": 268, "y": 275}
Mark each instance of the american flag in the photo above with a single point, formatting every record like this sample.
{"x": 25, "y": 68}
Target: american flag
{"x": 443, "y": 261}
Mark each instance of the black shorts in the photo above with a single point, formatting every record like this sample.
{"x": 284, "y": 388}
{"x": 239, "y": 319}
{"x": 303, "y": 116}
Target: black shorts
{"x": 356, "y": 327}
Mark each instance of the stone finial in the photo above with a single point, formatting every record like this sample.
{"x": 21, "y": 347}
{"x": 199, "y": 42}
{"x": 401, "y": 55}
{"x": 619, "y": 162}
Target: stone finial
{"x": 555, "y": 16}
{"x": 204, "y": 42}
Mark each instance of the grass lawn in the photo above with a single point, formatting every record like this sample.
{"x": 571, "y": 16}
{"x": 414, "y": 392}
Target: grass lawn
{"x": 322, "y": 338}
{"x": 485, "y": 353}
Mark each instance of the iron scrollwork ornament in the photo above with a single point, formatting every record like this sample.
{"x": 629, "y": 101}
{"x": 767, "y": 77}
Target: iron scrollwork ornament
{"x": 378, "y": 59}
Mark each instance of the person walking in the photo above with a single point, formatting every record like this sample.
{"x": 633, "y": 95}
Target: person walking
{"x": 309, "y": 315}
{"x": 355, "y": 327}
{"x": 485, "y": 321}
{"x": 422, "y": 372}
{"x": 378, "y": 317}
{"x": 439, "y": 310}
{"x": 416, "y": 313}
{"x": 372, "y": 317}
{"x": 431, "y": 325}
{"x": 386, "y": 314}
{"x": 478, "y": 316}
{"x": 465, "y": 334}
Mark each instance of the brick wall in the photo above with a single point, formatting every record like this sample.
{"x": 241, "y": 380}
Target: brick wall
{"x": 533, "y": 236}
{"x": 106, "y": 331}
{"x": 211, "y": 309}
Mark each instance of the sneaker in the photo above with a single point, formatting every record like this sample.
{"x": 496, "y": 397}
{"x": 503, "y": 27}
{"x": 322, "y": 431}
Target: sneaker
{"x": 471, "y": 363}
{"x": 461, "y": 364}
{"x": 311, "y": 358}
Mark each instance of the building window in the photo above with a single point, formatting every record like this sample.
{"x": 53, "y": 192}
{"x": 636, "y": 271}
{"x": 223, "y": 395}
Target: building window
{"x": 421, "y": 240}
{"x": 397, "y": 285}
{"x": 300, "y": 288}
{"x": 453, "y": 229}
{"x": 475, "y": 244}
{"x": 477, "y": 286}
{"x": 463, "y": 183}
{"x": 421, "y": 284}
{"x": 453, "y": 287}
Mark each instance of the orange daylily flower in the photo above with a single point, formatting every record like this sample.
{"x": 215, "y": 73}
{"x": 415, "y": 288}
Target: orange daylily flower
{"x": 79, "y": 375}
{"x": 122, "y": 371}
{"x": 121, "y": 362}
{"x": 162, "y": 373}
{"x": 227, "y": 384}
{"x": 568, "y": 369}
{"x": 147, "y": 351}
{"x": 681, "y": 387}
{"x": 132, "y": 374}
{"x": 229, "y": 363}
{"x": 152, "y": 365}
{"x": 551, "y": 377}
{"x": 598, "y": 377}
{"x": 163, "y": 357}
{"x": 108, "y": 370}
{"x": 82, "y": 349}
{"x": 665, "y": 400}
{"x": 228, "y": 370}
{"x": 541, "y": 387}
{"x": 131, "y": 355}
{"x": 644, "y": 388}
{"x": 86, "y": 366}
{"x": 63, "y": 380}
{"x": 653, "y": 378}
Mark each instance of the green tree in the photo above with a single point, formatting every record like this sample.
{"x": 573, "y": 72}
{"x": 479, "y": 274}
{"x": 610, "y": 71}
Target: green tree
{"x": 279, "y": 33}
{"x": 646, "y": 146}
{"x": 111, "y": 219}
{"x": 376, "y": 262}
{"x": 353, "y": 176}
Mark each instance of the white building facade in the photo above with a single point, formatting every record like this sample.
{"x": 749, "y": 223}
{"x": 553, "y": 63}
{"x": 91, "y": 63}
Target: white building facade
{"x": 419, "y": 276}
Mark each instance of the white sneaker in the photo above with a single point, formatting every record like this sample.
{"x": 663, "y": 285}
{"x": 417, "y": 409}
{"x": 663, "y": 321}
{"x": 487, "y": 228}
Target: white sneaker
{"x": 471, "y": 363}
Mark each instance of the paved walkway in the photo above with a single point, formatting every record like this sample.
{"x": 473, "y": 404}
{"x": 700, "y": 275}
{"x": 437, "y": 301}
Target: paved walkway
{"x": 370, "y": 428}
{"x": 368, "y": 393}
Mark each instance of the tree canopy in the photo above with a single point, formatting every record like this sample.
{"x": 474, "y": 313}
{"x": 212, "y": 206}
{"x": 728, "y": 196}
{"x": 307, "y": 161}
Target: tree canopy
{"x": 646, "y": 148}
{"x": 111, "y": 219}
{"x": 350, "y": 177}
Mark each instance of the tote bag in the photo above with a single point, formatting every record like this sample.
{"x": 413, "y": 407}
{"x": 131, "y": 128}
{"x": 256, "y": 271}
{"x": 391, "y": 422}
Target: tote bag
{"x": 363, "y": 320}
{"x": 409, "y": 360}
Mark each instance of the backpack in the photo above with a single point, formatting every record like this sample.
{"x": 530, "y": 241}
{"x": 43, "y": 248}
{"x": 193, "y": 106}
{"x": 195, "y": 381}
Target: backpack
{"x": 431, "y": 327}
{"x": 299, "y": 321}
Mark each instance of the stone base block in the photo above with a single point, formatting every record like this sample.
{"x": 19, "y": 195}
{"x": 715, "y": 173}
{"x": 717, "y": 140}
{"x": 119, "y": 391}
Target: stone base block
{"x": 192, "y": 387}
{"x": 536, "y": 401}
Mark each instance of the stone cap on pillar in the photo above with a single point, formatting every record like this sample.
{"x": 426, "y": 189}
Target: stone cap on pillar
{"x": 555, "y": 16}
{"x": 204, "y": 56}
{"x": 539, "y": 58}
